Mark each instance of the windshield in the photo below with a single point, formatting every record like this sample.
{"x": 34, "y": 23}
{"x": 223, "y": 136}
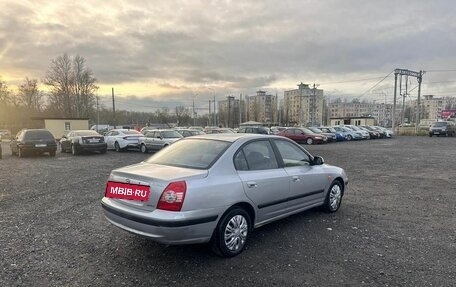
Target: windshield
{"x": 315, "y": 130}
{"x": 171, "y": 134}
{"x": 132, "y": 132}
{"x": 191, "y": 153}
{"x": 307, "y": 131}
{"x": 440, "y": 124}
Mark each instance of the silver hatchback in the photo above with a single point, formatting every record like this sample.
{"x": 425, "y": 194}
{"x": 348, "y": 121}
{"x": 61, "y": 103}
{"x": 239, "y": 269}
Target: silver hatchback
{"x": 218, "y": 188}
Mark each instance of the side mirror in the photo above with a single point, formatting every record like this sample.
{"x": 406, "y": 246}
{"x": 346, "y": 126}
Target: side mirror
{"x": 64, "y": 136}
{"x": 318, "y": 160}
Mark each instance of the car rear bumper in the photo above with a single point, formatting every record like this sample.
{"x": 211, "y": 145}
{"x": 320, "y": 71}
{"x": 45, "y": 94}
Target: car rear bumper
{"x": 91, "y": 147}
{"x": 28, "y": 148}
{"x": 162, "y": 226}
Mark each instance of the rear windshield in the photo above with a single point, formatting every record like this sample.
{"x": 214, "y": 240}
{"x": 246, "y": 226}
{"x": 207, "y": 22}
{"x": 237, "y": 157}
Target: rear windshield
{"x": 190, "y": 153}
{"x": 87, "y": 133}
{"x": 38, "y": 135}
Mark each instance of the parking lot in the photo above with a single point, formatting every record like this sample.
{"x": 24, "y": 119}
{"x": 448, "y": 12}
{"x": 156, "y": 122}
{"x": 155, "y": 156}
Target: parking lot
{"x": 396, "y": 226}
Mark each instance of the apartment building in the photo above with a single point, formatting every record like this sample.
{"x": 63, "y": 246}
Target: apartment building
{"x": 304, "y": 106}
{"x": 229, "y": 112}
{"x": 262, "y": 107}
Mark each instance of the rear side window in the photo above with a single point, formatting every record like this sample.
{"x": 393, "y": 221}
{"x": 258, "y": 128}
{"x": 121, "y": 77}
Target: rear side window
{"x": 38, "y": 135}
{"x": 259, "y": 155}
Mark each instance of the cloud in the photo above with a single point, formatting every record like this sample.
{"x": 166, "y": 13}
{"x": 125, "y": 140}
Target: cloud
{"x": 183, "y": 47}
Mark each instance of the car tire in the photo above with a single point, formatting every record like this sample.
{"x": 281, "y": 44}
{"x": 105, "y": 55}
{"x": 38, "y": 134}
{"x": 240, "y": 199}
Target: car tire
{"x": 349, "y": 137}
{"x": 20, "y": 153}
{"x": 52, "y": 153}
{"x": 309, "y": 141}
{"x": 74, "y": 151}
{"x": 430, "y": 135}
{"x": 232, "y": 232}
{"x": 117, "y": 147}
{"x": 333, "y": 199}
{"x": 144, "y": 148}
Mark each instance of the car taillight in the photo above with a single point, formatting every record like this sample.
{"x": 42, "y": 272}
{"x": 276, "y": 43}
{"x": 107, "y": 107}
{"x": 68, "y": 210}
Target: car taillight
{"x": 173, "y": 196}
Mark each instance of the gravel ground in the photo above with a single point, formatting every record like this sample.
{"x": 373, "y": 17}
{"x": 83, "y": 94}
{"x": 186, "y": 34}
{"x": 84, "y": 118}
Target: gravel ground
{"x": 396, "y": 226}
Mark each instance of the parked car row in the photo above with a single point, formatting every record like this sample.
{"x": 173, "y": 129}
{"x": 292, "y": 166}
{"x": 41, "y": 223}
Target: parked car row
{"x": 319, "y": 135}
{"x": 41, "y": 141}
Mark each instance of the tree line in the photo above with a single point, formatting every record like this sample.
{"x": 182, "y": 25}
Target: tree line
{"x": 71, "y": 93}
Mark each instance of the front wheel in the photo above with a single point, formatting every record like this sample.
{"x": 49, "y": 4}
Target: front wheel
{"x": 309, "y": 141}
{"x": 74, "y": 151}
{"x": 231, "y": 233}
{"x": 143, "y": 148}
{"x": 349, "y": 138}
{"x": 333, "y": 198}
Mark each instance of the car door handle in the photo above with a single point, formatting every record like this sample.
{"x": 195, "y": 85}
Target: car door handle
{"x": 296, "y": 178}
{"x": 252, "y": 184}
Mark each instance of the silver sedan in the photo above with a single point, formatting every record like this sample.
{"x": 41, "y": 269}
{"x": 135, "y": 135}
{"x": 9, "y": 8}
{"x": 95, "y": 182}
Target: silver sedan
{"x": 218, "y": 188}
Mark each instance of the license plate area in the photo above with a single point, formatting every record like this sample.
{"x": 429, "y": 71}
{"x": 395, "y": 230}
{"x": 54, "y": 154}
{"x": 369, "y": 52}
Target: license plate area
{"x": 40, "y": 145}
{"x": 128, "y": 191}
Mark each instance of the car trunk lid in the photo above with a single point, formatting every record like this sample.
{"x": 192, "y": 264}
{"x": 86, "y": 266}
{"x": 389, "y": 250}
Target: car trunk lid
{"x": 157, "y": 177}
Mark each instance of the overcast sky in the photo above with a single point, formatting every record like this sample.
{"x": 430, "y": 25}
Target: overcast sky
{"x": 163, "y": 53}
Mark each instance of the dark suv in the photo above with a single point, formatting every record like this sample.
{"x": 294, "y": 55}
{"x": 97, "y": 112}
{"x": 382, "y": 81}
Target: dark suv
{"x": 442, "y": 128}
{"x": 36, "y": 141}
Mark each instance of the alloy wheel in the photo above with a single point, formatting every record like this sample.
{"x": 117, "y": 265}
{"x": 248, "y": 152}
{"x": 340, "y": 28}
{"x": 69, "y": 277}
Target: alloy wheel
{"x": 335, "y": 195}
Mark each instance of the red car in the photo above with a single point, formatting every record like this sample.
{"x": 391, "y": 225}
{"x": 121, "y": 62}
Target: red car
{"x": 303, "y": 135}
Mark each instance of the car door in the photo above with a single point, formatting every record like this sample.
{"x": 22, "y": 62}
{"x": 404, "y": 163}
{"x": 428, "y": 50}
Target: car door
{"x": 148, "y": 139}
{"x": 307, "y": 181}
{"x": 264, "y": 182}
{"x": 111, "y": 138}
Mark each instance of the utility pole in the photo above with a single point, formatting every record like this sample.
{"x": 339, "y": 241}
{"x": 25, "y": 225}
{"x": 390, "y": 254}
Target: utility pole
{"x": 215, "y": 114}
{"x": 113, "y": 109}
{"x": 418, "y": 104}
{"x": 194, "y": 119}
{"x": 98, "y": 115}
{"x": 240, "y": 110}
{"x": 229, "y": 111}
{"x": 403, "y": 99}
{"x": 393, "y": 120}
{"x": 209, "y": 117}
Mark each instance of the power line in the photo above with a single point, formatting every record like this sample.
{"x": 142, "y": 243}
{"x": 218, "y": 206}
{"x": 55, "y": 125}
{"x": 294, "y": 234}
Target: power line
{"x": 439, "y": 71}
{"x": 378, "y": 83}
{"x": 350, "y": 81}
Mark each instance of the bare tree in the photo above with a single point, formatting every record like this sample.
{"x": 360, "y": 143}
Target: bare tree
{"x": 4, "y": 93}
{"x": 29, "y": 95}
{"x": 182, "y": 115}
{"x": 72, "y": 85}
